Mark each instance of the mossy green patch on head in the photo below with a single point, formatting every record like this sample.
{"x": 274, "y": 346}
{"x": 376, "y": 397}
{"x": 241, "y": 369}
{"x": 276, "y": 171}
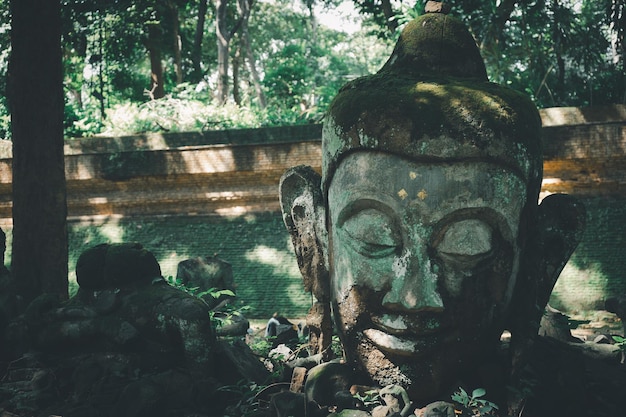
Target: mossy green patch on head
{"x": 432, "y": 100}
{"x": 437, "y": 44}
{"x": 451, "y": 118}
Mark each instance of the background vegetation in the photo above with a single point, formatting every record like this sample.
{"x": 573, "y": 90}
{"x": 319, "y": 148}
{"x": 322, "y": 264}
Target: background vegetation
{"x": 174, "y": 65}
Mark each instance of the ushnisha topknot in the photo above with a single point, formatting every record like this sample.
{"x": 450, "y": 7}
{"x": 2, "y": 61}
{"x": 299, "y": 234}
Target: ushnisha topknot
{"x": 432, "y": 101}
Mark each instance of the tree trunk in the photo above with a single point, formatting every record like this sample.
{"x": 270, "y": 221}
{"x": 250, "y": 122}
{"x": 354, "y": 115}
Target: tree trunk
{"x": 491, "y": 41}
{"x": 308, "y": 100}
{"x": 557, "y": 39}
{"x": 236, "y": 65}
{"x": 178, "y": 59}
{"x": 245, "y": 8}
{"x": 256, "y": 80}
{"x": 157, "y": 89}
{"x": 617, "y": 16}
{"x": 392, "y": 24}
{"x": 196, "y": 52}
{"x": 40, "y": 251}
{"x": 223, "y": 43}
{"x": 224, "y": 35}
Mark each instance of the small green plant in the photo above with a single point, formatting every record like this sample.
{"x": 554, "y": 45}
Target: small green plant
{"x": 175, "y": 282}
{"x": 620, "y": 342}
{"x": 261, "y": 347}
{"x": 474, "y": 405}
{"x": 215, "y": 293}
{"x": 246, "y": 395}
{"x": 370, "y": 398}
{"x": 212, "y": 292}
{"x": 336, "y": 347}
{"x": 226, "y": 315}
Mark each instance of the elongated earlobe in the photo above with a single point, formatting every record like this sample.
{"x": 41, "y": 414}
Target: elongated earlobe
{"x": 303, "y": 211}
{"x": 558, "y": 229}
{"x": 561, "y": 224}
{"x": 304, "y": 215}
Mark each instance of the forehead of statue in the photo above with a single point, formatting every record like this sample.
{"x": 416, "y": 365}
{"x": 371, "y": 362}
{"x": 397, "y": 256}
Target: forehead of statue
{"x": 444, "y": 148}
{"x": 435, "y": 189}
{"x": 430, "y": 155}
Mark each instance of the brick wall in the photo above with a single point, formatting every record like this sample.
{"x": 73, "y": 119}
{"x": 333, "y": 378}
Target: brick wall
{"x": 256, "y": 245}
{"x": 597, "y": 269}
{"x": 585, "y": 156}
{"x": 187, "y": 195}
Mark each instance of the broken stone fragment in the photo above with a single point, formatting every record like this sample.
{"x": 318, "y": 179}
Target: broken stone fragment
{"x": 436, "y": 7}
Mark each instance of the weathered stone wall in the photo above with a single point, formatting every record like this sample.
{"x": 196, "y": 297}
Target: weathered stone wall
{"x": 585, "y": 156}
{"x": 186, "y": 195}
{"x": 230, "y": 172}
{"x": 597, "y": 269}
{"x": 256, "y": 245}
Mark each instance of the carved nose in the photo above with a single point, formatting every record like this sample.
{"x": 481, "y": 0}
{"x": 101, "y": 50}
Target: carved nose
{"x": 414, "y": 291}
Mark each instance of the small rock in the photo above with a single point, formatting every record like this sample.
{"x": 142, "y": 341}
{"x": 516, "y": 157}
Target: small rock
{"x": 436, "y": 409}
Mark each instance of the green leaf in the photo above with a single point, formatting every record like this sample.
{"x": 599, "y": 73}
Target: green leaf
{"x": 478, "y": 392}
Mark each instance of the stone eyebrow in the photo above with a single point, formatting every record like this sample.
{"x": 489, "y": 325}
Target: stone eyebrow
{"x": 353, "y": 207}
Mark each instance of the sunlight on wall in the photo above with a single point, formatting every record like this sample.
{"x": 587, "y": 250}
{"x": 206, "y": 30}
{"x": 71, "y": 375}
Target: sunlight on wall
{"x": 112, "y": 231}
{"x": 214, "y": 160}
{"x": 169, "y": 262}
{"x": 232, "y": 212}
{"x": 580, "y": 289}
{"x": 283, "y": 263}
{"x": 100, "y": 231}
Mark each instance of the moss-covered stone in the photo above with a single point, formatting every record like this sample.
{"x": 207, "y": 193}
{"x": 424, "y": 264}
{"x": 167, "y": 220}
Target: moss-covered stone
{"x": 105, "y": 266}
{"x": 434, "y": 44}
{"x": 432, "y": 99}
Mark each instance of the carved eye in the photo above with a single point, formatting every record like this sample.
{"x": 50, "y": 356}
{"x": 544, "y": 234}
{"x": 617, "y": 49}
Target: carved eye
{"x": 466, "y": 241}
{"x": 372, "y": 233}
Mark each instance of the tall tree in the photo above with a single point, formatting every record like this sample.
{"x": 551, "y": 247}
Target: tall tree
{"x": 196, "y": 51}
{"x": 40, "y": 252}
{"x": 153, "y": 45}
{"x": 224, "y": 34}
{"x": 177, "y": 42}
{"x": 381, "y": 12}
{"x": 244, "y": 7}
{"x": 617, "y": 28}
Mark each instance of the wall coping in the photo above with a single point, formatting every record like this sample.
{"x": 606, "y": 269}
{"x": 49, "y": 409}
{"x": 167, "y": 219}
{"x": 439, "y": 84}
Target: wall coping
{"x": 550, "y": 117}
{"x": 154, "y": 141}
{"x": 570, "y": 116}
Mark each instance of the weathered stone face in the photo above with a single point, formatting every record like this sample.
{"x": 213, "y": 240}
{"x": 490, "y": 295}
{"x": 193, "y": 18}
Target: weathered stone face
{"x": 424, "y": 257}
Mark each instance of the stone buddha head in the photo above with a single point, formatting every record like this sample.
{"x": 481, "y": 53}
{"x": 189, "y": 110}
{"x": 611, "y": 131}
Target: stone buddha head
{"x": 424, "y": 232}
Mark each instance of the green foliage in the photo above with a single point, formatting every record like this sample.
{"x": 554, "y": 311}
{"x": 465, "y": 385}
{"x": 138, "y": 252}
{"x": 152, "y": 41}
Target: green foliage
{"x": 108, "y": 71}
{"x": 261, "y": 347}
{"x": 5, "y": 49}
{"x": 176, "y": 282}
{"x": 226, "y": 314}
{"x": 474, "y": 404}
{"x": 246, "y": 394}
{"x": 336, "y": 346}
{"x": 561, "y": 53}
{"x": 370, "y": 398}
{"x": 620, "y": 342}
{"x": 82, "y": 121}
{"x": 214, "y": 293}
{"x": 171, "y": 114}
